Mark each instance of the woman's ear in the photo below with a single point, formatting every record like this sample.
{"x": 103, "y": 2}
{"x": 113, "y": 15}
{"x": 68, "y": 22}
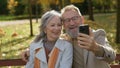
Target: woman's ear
{"x": 45, "y": 30}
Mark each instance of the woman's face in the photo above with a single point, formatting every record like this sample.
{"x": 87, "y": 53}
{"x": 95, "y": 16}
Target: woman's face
{"x": 53, "y": 28}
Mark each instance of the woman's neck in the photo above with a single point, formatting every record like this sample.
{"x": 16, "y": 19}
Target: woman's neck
{"x": 49, "y": 44}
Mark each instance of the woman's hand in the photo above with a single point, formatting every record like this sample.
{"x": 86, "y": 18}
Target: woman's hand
{"x": 24, "y": 55}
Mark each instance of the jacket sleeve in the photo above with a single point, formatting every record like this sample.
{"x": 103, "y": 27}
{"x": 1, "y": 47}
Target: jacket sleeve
{"x": 66, "y": 61}
{"x": 109, "y": 54}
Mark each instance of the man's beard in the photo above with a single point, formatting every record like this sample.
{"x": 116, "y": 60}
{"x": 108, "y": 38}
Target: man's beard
{"x": 73, "y": 34}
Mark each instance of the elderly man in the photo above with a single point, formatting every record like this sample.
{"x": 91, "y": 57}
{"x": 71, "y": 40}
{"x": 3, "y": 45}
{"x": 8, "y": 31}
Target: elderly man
{"x": 90, "y": 51}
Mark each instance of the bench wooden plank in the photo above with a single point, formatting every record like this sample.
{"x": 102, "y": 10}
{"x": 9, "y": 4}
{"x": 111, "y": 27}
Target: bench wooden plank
{"x": 115, "y": 66}
{"x": 20, "y": 62}
{"x": 12, "y": 62}
{"x": 117, "y": 59}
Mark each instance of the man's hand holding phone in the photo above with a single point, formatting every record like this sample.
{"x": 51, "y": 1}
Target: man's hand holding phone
{"x": 85, "y": 38}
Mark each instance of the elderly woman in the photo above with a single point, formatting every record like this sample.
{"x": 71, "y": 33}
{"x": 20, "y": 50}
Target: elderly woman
{"x": 48, "y": 50}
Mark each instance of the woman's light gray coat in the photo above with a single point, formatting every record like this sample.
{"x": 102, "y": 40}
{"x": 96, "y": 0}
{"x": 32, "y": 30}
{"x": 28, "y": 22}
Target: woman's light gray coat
{"x": 64, "y": 58}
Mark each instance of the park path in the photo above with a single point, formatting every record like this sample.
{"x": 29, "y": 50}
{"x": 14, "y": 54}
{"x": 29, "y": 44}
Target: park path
{"x": 13, "y": 22}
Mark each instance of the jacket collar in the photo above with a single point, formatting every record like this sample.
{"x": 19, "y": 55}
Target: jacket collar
{"x": 41, "y": 53}
{"x": 57, "y": 44}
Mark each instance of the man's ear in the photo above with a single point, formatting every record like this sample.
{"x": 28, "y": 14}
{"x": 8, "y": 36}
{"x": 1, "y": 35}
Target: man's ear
{"x": 82, "y": 17}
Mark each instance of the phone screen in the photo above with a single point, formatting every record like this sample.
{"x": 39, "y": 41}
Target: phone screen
{"x": 84, "y": 29}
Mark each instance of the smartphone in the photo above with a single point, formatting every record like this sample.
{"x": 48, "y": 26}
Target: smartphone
{"x": 84, "y": 29}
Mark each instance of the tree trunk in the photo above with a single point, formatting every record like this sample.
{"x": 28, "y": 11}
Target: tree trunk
{"x": 30, "y": 17}
{"x": 66, "y": 2}
{"x": 90, "y": 10}
{"x": 0, "y": 49}
{"x": 36, "y": 12}
{"x": 61, "y": 4}
{"x": 118, "y": 22}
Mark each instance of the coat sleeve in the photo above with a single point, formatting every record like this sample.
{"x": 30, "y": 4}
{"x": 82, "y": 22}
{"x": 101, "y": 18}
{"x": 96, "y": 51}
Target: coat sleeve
{"x": 66, "y": 61}
{"x": 109, "y": 54}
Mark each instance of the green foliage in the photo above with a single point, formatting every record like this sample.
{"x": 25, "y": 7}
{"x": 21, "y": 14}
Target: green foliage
{"x": 4, "y": 17}
{"x": 9, "y": 17}
{"x": 104, "y": 5}
{"x": 44, "y": 5}
{"x": 38, "y": 8}
{"x": 18, "y": 17}
{"x": 3, "y": 7}
{"x": 20, "y": 9}
{"x": 11, "y": 6}
{"x": 82, "y": 6}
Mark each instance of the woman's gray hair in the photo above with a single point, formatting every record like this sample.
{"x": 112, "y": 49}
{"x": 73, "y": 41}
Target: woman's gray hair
{"x": 44, "y": 21}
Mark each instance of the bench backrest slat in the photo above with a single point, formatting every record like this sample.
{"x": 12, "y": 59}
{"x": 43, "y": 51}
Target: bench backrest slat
{"x": 117, "y": 59}
{"x": 20, "y": 62}
{"x": 12, "y": 62}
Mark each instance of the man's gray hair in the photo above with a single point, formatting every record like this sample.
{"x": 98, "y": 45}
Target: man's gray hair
{"x": 44, "y": 21}
{"x": 70, "y": 7}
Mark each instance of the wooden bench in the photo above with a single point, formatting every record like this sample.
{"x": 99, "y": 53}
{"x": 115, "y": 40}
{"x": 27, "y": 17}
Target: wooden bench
{"x": 12, "y": 62}
{"x": 20, "y": 62}
{"x": 117, "y": 60}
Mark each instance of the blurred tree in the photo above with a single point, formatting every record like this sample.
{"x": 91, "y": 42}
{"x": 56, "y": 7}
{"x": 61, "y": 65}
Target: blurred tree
{"x": 30, "y": 16}
{"x": 90, "y": 10}
{"x": 98, "y": 5}
{"x": 77, "y": 1}
{"x": 66, "y": 2}
{"x": 36, "y": 9}
{"x": 54, "y": 4}
{"x": 114, "y": 4}
{"x": 11, "y": 6}
{"x": 118, "y": 22}
{"x": 60, "y": 4}
{"x": 45, "y": 5}
{"x": 3, "y": 7}
{"x": 82, "y": 5}
{"x": 20, "y": 8}
{"x": 104, "y": 5}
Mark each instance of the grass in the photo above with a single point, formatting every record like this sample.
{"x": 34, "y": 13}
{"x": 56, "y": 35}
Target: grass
{"x": 9, "y": 17}
{"x": 16, "y": 38}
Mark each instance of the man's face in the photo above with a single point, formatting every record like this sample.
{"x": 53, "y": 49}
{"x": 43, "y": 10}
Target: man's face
{"x": 71, "y": 22}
